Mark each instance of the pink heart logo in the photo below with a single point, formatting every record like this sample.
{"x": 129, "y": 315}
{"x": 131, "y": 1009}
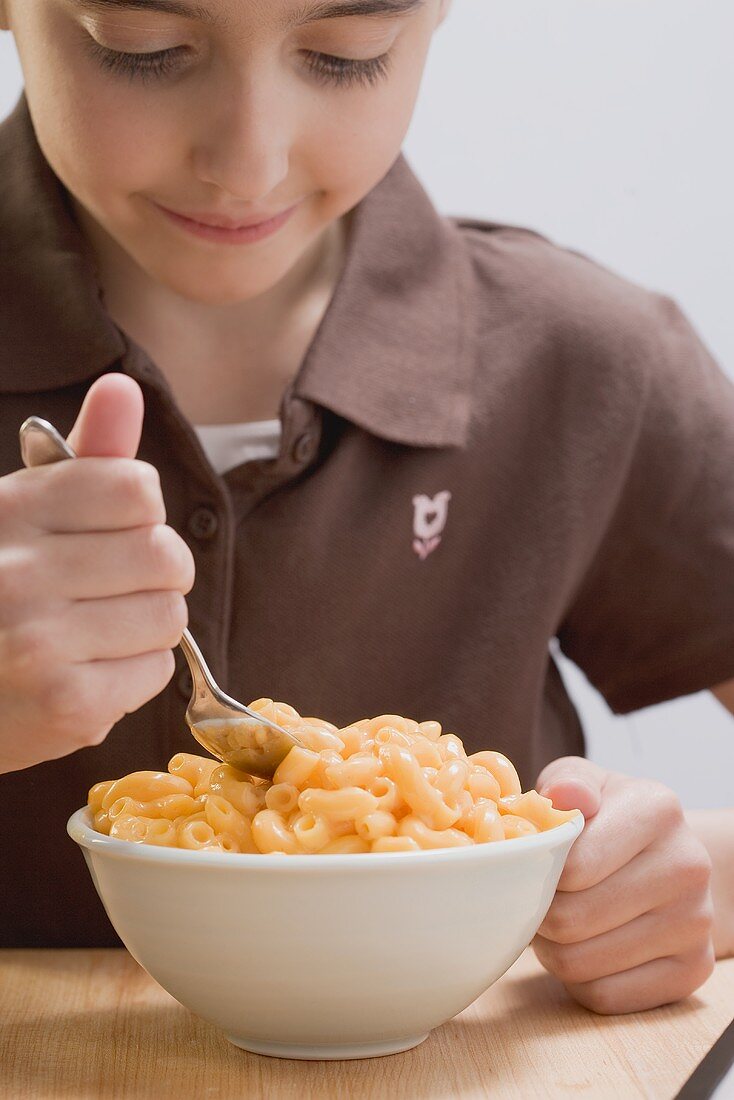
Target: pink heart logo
{"x": 424, "y": 547}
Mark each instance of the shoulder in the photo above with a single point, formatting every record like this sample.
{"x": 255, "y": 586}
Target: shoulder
{"x": 565, "y": 293}
{"x": 554, "y": 305}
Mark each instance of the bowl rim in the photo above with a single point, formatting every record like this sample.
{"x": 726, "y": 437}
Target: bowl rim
{"x": 80, "y": 829}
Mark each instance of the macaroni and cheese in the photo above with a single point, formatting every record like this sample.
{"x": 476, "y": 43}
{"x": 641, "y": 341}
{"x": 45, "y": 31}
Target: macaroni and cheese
{"x": 385, "y": 784}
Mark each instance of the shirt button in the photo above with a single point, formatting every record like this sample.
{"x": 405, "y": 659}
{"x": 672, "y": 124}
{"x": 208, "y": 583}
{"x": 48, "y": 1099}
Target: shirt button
{"x": 184, "y": 683}
{"x": 203, "y": 524}
{"x": 304, "y": 447}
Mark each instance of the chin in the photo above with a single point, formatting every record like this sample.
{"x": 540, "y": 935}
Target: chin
{"x": 204, "y": 288}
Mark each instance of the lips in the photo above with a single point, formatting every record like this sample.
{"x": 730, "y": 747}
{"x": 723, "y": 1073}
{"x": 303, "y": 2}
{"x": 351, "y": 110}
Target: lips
{"x": 219, "y": 229}
{"x": 220, "y": 221}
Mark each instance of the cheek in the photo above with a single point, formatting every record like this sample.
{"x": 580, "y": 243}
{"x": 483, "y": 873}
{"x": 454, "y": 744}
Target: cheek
{"x": 97, "y": 140}
{"x": 353, "y": 143}
{"x": 99, "y": 134}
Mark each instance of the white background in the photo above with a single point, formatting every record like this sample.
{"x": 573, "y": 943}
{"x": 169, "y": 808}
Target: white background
{"x": 606, "y": 125}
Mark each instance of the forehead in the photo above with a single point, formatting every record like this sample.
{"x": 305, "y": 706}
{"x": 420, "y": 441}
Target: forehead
{"x": 220, "y": 13}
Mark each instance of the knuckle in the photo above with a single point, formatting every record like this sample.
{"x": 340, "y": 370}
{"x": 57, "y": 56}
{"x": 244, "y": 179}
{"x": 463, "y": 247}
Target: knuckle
{"x": 556, "y": 958}
{"x": 188, "y": 568}
{"x": 73, "y": 708}
{"x": 19, "y": 491}
{"x": 693, "y": 869}
{"x": 82, "y": 720}
{"x": 162, "y": 551}
{"x": 666, "y": 805}
{"x": 188, "y": 572}
{"x": 17, "y": 577}
{"x": 553, "y": 922}
{"x": 578, "y": 874}
{"x": 8, "y": 591}
{"x": 695, "y": 969}
{"x": 568, "y": 964}
{"x": 163, "y": 666}
{"x": 701, "y": 921}
{"x": 704, "y": 966}
{"x": 7, "y": 583}
{"x": 138, "y": 484}
{"x": 172, "y": 560}
{"x": 598, "y": 996}
{"x": 30, "y": 649}
{"x": 64, "y": 697}
{"x": 562, "y": 921}
{"x": 150, "y": 491}
{"x": 156, "y": 669}
{"x": 150, "y": 477}
{"x": 9, "y": 497}
{"x": 172, "y": 615}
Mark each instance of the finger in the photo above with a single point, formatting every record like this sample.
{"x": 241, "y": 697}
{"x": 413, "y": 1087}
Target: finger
{"x": 91, "y": 494}
{"x": 121, "y": 626}
{"x": 655, "y": 983}
{"x": 573, "y": 783}
{"x": 632, "y": 816}
{"x": 671, "y": 930}
{"x": 80, "y": 704}
{"x": 655, "y": 877}
{"x": 96, "y": 566}
{"x": 674, "y": 868}
{"x": 110, "y": 421}
{"x": 102, "y": 692}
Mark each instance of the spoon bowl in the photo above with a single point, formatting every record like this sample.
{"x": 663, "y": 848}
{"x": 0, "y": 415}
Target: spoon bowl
{"x": 228, "y": 729}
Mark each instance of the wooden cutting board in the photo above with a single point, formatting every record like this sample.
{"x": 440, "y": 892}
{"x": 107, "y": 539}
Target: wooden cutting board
{"x": 91, "y": 1025}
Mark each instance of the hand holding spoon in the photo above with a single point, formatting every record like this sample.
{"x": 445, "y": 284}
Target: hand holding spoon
{"x": 226, "y": 728}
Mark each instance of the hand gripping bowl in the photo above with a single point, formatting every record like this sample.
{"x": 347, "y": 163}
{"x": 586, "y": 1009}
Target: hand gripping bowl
{"x": 316, "y": 956}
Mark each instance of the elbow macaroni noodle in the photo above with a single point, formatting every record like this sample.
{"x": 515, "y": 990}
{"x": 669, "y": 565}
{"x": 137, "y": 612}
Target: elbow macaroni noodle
{"x": 385, "y": 784}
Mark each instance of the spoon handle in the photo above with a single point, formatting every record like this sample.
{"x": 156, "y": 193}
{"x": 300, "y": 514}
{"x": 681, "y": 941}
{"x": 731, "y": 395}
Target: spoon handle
{"x": 41, "y": 443}
{"x": 204, "y": 682}
{"x": 205, "y": 685}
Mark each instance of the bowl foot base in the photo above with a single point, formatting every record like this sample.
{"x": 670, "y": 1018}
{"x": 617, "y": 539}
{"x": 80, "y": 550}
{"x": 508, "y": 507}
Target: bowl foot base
{"x": 327, "y": 1052}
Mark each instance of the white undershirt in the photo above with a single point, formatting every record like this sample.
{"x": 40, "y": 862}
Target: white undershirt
{"x": 229, "y": 445}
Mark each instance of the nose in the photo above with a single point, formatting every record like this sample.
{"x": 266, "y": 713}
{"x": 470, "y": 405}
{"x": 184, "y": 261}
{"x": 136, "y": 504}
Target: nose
{"x": 245, "y": 144}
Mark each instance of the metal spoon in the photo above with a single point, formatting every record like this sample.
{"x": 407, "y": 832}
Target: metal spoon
{"x": 226, "y": 728}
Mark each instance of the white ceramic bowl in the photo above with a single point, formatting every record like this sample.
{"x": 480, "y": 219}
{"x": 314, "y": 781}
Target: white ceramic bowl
{"x": 326, "y": 956}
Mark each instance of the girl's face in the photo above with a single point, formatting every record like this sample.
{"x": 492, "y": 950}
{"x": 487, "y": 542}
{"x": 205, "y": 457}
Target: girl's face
{"x": 227, "y": 109}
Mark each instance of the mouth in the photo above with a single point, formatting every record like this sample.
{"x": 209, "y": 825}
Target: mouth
{"x": 217, "y": 227}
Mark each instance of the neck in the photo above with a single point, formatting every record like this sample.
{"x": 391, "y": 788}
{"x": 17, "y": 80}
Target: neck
{"x": 223, "y": 362}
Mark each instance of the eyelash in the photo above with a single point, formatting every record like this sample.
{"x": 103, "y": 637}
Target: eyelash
{"x": 342, "y": 71}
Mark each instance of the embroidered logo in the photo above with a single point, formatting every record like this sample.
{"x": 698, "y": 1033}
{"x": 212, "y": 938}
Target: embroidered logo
{"x": 429, "y": 520}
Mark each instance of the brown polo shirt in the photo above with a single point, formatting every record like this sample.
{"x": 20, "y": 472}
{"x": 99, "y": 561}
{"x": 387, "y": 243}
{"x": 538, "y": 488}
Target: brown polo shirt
{"x": 492, "y": 442}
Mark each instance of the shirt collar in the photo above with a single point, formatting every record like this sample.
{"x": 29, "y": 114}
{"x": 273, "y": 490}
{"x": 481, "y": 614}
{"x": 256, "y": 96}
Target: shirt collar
{"x": 391, "y": 353}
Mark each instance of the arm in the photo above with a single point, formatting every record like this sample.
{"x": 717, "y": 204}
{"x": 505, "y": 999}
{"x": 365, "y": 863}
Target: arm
{"x": 715, "y": 830}
{"x": 725, "y": 694}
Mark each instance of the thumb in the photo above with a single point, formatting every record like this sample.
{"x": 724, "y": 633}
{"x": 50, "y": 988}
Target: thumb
{"x": 573, "y": 783}
{"x": 110, "y": 420}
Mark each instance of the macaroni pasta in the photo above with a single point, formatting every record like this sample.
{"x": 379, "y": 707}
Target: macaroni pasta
{"x": 385, "y": 784}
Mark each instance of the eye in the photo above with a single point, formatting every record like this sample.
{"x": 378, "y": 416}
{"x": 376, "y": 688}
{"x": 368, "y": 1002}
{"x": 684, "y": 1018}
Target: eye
{"x": 346, "y": 71}
{"x": 342, "y": 71}
{"x": 143, "y": 66}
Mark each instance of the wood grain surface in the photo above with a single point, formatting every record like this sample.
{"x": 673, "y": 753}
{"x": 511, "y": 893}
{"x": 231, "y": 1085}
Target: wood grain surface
{"x": 93, "y": 1026}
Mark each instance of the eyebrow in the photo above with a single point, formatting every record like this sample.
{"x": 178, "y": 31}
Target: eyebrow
{"x": 343, "y": 9}
{"x": 168, "y": 7}
{"x": 307, "y": 13}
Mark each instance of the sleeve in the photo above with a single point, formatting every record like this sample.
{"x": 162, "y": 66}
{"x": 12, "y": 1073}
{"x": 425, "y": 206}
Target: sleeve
{"x": 652, "y": 617}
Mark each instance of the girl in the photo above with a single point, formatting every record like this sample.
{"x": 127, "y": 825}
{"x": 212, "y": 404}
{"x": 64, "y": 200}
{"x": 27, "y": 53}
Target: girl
{"x": 399, "y": 454}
